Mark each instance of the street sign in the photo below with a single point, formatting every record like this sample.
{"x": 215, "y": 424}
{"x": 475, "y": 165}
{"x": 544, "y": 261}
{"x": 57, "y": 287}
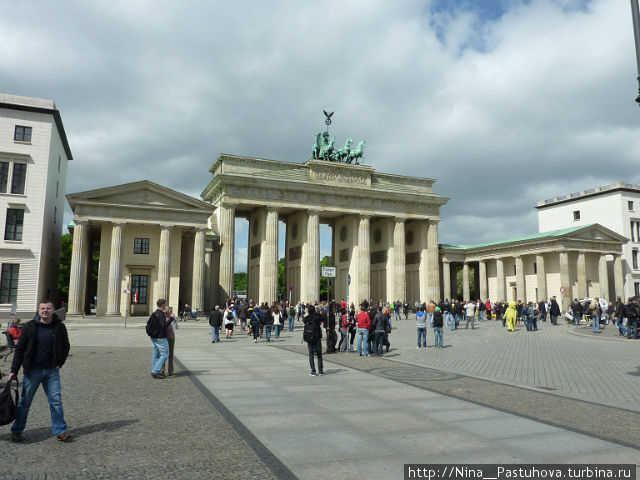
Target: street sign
{"x": 561, "y": 289}
{"x": 329, "y": 272}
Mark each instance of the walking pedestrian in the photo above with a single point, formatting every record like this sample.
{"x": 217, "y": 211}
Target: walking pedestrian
{"x": 510, "y": 316}
{"x": 159, "y": 323}
{"x": 229, "y": 321}
{"x": 470, "y": 307}
{"x": 421, "y": 323}
{"x": 437, "y": 327}
{"x": 312, "y": 334}
{"x": 215, "y": 320}
{"x": 41, "y": 352}
{"x": 554, "y": 311}
{"x": 363, "y": 331}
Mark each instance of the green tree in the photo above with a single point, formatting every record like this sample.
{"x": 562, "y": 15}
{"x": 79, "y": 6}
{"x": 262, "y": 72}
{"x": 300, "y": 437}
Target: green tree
{"x": 240, "y": 281}
{"x": 460, "y": 283}
{"x": 282, "y": 287}
{"x": 65, "y": 266}
{"x": 327, "y": 261}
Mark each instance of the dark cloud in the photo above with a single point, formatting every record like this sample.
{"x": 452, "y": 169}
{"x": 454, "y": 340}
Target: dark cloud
{"x": 504, "y": 106}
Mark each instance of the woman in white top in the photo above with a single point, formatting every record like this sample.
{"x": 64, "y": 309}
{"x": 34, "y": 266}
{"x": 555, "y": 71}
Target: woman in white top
{"x": 470, "y": 307}
{"x": 277, "y": 320}
{"x": 229, "y": 321}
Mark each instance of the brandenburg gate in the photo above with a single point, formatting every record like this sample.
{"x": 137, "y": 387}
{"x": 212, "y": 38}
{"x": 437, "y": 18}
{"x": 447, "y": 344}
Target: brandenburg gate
{"x": 385, "y": 228}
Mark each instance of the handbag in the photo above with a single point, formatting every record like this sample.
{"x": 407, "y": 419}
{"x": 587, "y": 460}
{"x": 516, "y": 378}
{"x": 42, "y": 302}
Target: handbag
{"x": 8, "y": 407}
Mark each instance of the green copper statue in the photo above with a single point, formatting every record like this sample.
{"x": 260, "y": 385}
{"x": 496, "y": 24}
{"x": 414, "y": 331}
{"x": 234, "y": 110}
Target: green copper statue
{"x": 323, "y": 147}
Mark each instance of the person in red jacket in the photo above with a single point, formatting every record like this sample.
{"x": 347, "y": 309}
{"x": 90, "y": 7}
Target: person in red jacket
{"x": 14, "y": 330}
{"x": 364, "y": 323}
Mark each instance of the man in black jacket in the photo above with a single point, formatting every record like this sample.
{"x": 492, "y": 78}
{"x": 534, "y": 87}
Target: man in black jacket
{"x": 554, "y": 311}
{"x": 314, "y": 342}
{"x": 42, "y": 350}
{"x": 215, "y": 320}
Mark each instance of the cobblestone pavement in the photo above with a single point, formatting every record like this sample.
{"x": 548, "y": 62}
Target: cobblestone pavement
{"x": 128, "y": 425}
{"x": 566, "y": 360}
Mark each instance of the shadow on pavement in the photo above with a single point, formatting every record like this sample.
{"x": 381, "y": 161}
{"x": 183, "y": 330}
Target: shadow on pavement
{"x": 44, "y": 433}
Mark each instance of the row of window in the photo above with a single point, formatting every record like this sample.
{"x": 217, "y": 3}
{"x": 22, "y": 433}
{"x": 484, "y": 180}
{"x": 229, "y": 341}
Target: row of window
{"x": 9, "y": 282}
{"x": 635, "y": 230}
{"x": 22, "y": 134}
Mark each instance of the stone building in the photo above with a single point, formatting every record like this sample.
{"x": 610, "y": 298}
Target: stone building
{"x": 616, "y": 206}
{"x": 583, "y": 261}
{"x": 153, "y": 242}
{"x": 385, "y": 227}
{"x": 34, "y": 153}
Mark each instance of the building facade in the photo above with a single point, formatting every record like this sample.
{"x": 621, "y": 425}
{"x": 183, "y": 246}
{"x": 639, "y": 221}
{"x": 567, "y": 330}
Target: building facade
{"x": 34, "y": 156}
{"x": 385, "y": 228}
{"x": 615, "y": 206}
{"x": 572, "y": 263}
{"x": 144, "y": 242}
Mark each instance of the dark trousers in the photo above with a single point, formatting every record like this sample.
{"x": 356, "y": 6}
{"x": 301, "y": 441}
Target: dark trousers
{"x": 315, "y": 348}
{"x": 344, "y": 339}
{"x": 379, "y": 342}
{"x": 169, "y": 362}
{"x": 632, "y": 325}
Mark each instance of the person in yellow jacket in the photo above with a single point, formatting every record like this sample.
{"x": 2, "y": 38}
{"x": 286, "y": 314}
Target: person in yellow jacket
{"x": 510, "y": 316}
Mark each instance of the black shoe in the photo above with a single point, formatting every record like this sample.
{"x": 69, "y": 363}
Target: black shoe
{"x": 321, "y": 373}
{"x": 312, "y": 374}
{"x": 17, "y": 437}
{"x": 157, "y": 375}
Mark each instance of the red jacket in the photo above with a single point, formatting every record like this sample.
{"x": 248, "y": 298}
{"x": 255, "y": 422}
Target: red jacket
{"x": 363, "y": 320}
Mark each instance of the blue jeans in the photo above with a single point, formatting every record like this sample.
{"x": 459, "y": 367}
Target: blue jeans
{"x": 397, "y": 316}
{"x": 215, "y": 334}
{"x": 576, "y": 318}
{"x": 595, "y": 327}
{"x": 438, "y": 336}
{"x": 620, "y": 325}
{"x": 160, "y": 354}
{"x": 554, "y": 319}
{"x": 291, "y": 321}
{"x": 267, "y": 332}
{"x": 481, "y": 315}
{"x": 277, "y": 329}
{"x": 363, "y": 338}
{"x": 422, "y": 335}
{"x": 50, "y": 380}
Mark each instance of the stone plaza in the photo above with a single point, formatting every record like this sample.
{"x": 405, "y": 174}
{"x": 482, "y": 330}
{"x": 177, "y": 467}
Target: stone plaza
{"x": 240, "y": 410}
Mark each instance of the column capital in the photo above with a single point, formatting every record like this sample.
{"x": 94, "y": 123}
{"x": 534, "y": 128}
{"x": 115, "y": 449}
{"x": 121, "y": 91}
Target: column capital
{"x": 79, "y": 222}
{"x": 119, "y": 223}
{"x": 271, "y": 209}
{"x": 166, "y": 225}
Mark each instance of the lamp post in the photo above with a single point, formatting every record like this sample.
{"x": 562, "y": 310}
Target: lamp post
{"x": 635, "y": 15}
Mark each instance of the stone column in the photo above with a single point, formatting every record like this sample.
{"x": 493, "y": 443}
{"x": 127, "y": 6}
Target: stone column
{"x": 500, "y": 280}
{"x": 433, "y": 270}
{"x": 78, "y": 264}
{"x": 364, "y": 261}
{"x": 227, "y": 236}
{"x": 197, "y": 281}
{"x": 482, "y": 273}
{"x": 582, "y": 275}
{"x": 618, "y": 277}
{"x": 565, "y": 280}
{"x": 541, "y": 278}
{"x": 521, "y": 292}
{"x": 466, "y": 292}
{"x": 269, "y": 259}
{"x": 208, "y": 256}
{"x": 311, "y": 269}
{"x": 399, "y": 265}
{"x": 164, "y": 262}
{"x": 603, "y": 278}
{"x": 115, "y": 271}
{"x": 446, "y": 279}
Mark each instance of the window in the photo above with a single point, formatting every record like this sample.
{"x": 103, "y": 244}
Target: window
{"x": 13, "y": 225}
{"x": 141, "y": 245}
{"x": 630, "y": 205}
{"x": 535, "y": 270}
{"x": 59, "y": 162}
{"x": 514, "y": 268}
{"x": 22, "y": 134}
{"x": 634, "y": 259}
{"x": 55, "y": 213}
{"x": 139, "y": 286}
{"x": 636, "y": 289}
{"x": 576, "y": 215}
{"x": 4, "y": 176}
{"x": 633, "y": 230}
{"x": 9, "y": 282}
{"x": 57, "y": 189}
{"x": 19, "y": 178}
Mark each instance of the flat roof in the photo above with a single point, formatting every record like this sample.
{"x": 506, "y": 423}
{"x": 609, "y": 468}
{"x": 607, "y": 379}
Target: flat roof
{"x": 37, "y": 105}
{"x": 592, "y": 192}
{"x": 534, "y": 236}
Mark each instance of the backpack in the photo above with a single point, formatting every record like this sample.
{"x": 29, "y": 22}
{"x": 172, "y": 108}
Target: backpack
{"x": 229, "y": 315}
{"x": 8, "y": 406}
{"x": 153, "y": 327}
{"x": 309, "y": 332}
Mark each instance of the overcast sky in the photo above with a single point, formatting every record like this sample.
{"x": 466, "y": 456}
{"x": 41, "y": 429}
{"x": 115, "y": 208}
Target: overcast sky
{"x": 505, "y": 103}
